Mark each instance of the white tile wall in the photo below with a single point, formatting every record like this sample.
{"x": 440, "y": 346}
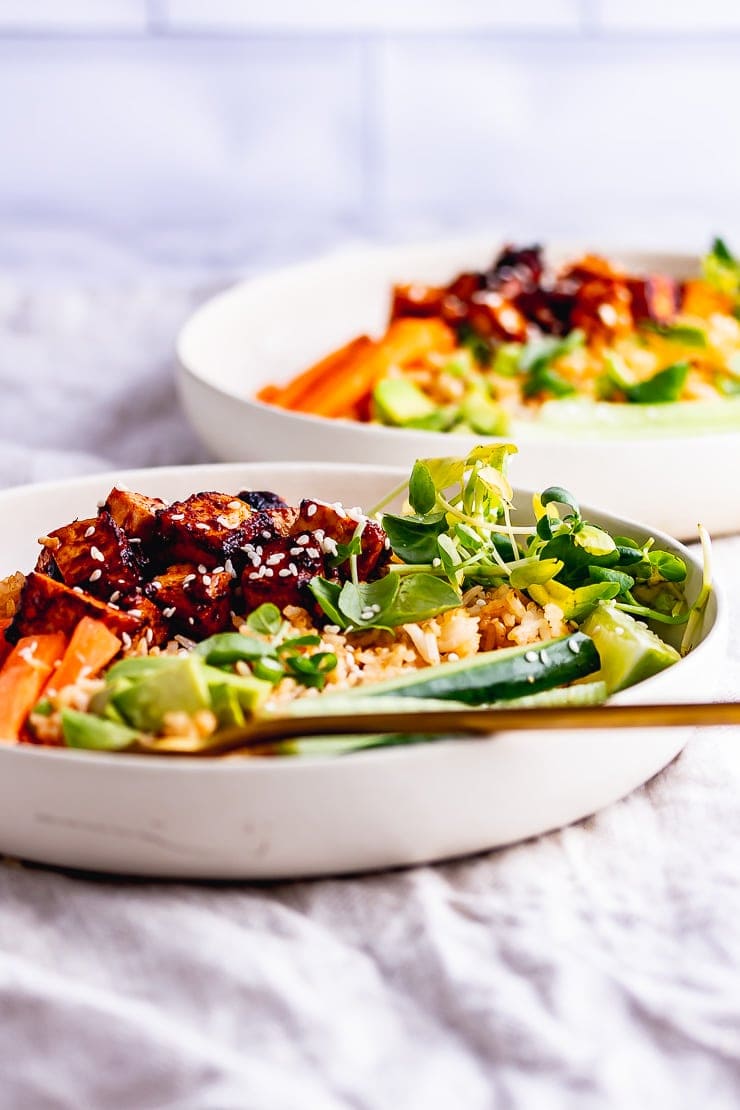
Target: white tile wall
{"x": 242, "y": 140}
{"x": 387, "y": 16}
{"x": 69, "y": 16}
{"x": 589, "y": 138}
{"x": 659, "y": 16}
{"x": 229, "y": 132}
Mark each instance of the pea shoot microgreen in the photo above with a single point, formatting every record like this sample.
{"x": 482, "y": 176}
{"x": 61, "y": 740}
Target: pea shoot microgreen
{"x": 458, "y": 532}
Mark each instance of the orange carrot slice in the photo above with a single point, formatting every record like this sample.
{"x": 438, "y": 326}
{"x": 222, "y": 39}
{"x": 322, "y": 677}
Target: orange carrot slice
{"x": 291, "y": 395}
{"x": 22, "y": 678}
{"x": 92, "y": 646}
{"x": 406, "y": 340}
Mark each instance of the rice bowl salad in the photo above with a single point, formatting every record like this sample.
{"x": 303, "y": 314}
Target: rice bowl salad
{"x": 184, "y": 619}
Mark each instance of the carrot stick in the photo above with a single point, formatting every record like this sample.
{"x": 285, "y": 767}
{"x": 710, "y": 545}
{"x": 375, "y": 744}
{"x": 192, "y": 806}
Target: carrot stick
{"x": 406, "y": 340}
{"x": 269, "y": 394}
{"x": 294, "y": 391}
{"x": 91, "y": 647}
{"x": 22, "y": 678}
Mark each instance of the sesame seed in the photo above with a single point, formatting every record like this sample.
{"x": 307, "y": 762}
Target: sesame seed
{"x": 206, "y": 579}
{"x": 531, "y": 656}
{"x": 203, "y": 527}
{"x": 185, "y": 642}
{"x": 312, "y": 552}
{"x": 266, "y": 535}
{"x": 285, "y": 572}
{"x": 149, "y": 635}
{"x": 273, "y": 560}
{"x": 134, "y": 539}
{"x": 201, "y": 568}
{"x": 235, "y": 504}
{"x": 116, "y": 594}
{"x": 453, "y": 657}
{"x": 188, "y": 578}
{"x": 96, "y": 574}
{"x": 90, "y": 532}
{"x": 169, "y": 611}
{"x": 126, "y": 640}
{"x": 229, "y": 568}
{"x": 254, "y": 574}
{"x": 134, "y": 612}
{"x": 191, "y": 620}
{"x": 177, "y": 516}
{"x": 530, "y": 678}
{"x": 574, "y": 646}
{"x": 375, "y": 608}
{"x": 218, "y": 570}
{"x": 77, "y": 589}
{"x": 269, "y": 572}
{"x": 333, "y": 628}
{"x": 386, "y": 543}
{"x": 225, "y": 522}
{"x": 112, "y": 605}
{"x": 97, "y": 554}
{"x": 296, "y": 551}
{"x": 311, "y": 510}
{"x": 292, "y": 568}
{"x": 436, "y": 562}
{"x": 543, "y": 657}
{"x": 302, "y": 540}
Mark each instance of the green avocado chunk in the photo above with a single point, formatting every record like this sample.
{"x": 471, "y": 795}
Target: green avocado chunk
{"x": 83, "y": 730}
{"x": 485, "y": 416}
{"x": 629, "y": 650}
{"x": 399, "y": 401}
{"x": 180, "y": 686}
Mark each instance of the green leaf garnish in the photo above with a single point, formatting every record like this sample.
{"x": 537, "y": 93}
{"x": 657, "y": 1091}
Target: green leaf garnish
{"x": 265, "y": 619}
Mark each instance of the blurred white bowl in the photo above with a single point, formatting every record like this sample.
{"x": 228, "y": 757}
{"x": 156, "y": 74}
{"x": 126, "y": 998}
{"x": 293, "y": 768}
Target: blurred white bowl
{"x": 270, "y": 328}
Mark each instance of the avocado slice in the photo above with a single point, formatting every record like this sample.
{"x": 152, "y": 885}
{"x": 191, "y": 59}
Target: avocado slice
{"x": 226, "y": 706}
{"x": 485, "y": 416}
{"x": 83, "y": 730}
{"x": 249, "y": 691}
{"x": 628, "y": 649}
{"x": 398, "y": 401}
{"x": 180, "y": 686}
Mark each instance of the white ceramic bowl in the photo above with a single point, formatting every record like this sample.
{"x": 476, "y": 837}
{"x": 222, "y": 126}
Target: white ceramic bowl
{"x": 270, "y": 328}
{"x": 273, "y": 818}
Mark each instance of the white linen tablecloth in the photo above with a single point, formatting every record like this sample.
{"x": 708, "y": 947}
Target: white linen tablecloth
{"x": 595, "y": 967}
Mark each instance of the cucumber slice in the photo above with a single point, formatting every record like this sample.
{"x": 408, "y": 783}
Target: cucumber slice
{"x": 502, "y": 675}
{"x": 629, "y": 650}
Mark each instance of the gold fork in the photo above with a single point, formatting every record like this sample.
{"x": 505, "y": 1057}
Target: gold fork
{"x": 482, "y": 722}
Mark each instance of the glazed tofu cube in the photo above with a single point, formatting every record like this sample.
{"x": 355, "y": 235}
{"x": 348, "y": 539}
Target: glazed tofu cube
{"x": 195, "y": 600}
{"x": 280, "y": 571}
{"x": 134, "y": 513}
{"x": 205, "y": 528}
{"x": 329, "y": 525}
{"x": 49, "y": 606}
{"x": 96, "y": 555}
